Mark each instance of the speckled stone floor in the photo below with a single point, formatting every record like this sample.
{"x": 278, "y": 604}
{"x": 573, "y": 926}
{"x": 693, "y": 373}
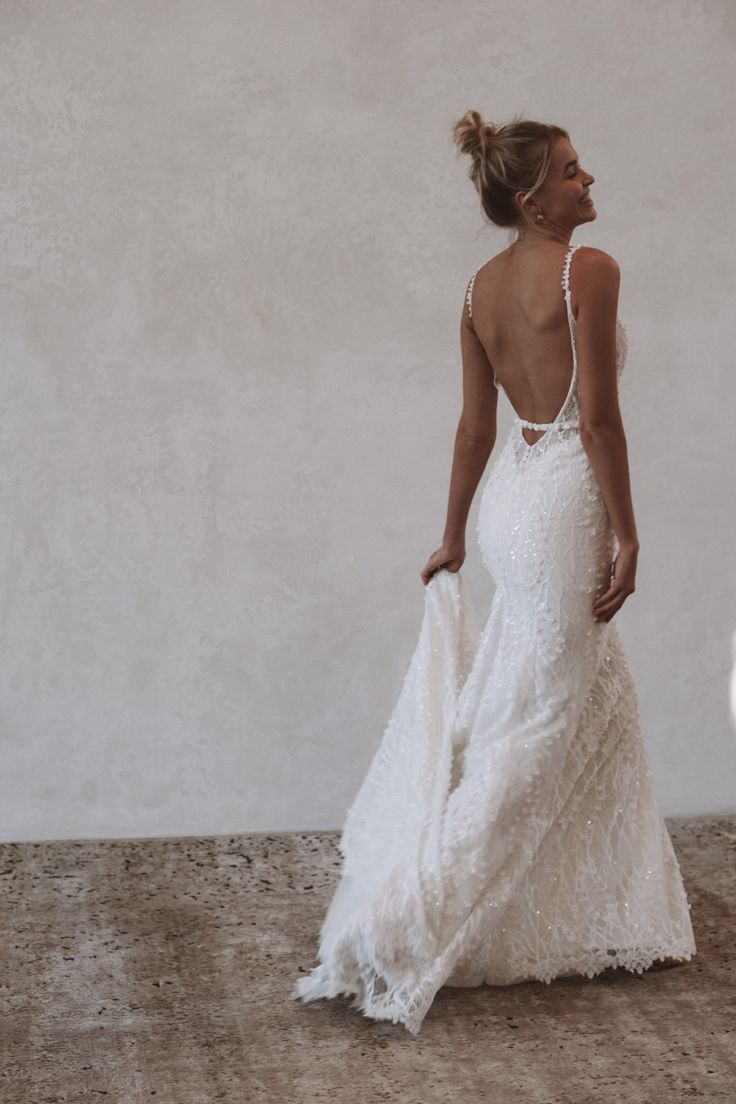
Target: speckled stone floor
{"x": 140, "y": 970}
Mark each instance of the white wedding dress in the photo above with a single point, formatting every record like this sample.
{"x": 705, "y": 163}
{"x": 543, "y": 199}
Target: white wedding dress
{"x": 508, "y": 827}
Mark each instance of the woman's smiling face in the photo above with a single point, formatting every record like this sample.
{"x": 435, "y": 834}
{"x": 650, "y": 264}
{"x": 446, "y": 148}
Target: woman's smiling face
{"x": 567, "y": 186}
{"x": 563, "y": 198}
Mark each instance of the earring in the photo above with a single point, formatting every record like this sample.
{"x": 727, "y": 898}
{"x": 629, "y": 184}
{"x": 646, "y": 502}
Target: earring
{"x": 540, "y": 216}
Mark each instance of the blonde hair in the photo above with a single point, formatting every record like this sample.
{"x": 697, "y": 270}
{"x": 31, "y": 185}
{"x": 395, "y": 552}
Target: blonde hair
{"x": 506, "y": 159}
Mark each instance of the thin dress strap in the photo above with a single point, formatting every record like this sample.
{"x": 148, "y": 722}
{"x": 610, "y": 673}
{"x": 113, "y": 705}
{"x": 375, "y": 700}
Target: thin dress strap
{"x": 469, "y": 294}
{"x": 568, "y": 299}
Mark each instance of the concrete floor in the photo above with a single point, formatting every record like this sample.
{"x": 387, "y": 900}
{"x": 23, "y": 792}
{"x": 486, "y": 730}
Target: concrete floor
{"x": 161, "y": 969}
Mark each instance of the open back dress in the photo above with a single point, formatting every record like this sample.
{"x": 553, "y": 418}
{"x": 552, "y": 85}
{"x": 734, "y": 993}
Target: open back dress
{"x": 508, "y": 828}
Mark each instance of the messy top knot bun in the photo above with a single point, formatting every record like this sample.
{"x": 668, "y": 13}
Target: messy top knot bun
{"x": 505, "y": 159}
{"x": 473, "y": 135}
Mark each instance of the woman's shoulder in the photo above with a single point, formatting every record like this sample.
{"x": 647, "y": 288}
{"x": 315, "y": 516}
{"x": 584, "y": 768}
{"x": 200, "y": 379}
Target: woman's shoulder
{"x": 596, "y": 261}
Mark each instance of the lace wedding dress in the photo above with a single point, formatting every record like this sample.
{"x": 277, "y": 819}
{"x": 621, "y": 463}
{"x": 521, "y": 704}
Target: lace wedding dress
{"x": 508, "y": 829}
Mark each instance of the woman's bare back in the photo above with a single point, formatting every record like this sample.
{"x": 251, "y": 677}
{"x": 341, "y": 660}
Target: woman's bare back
{"x": 519, "y": 316}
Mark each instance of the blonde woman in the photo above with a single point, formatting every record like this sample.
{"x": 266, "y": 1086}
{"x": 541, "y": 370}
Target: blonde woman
{"x": 508, "y": 828}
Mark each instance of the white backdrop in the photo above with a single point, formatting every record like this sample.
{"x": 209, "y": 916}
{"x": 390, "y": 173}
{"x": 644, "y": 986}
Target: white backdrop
{"x": 235, "y": 245}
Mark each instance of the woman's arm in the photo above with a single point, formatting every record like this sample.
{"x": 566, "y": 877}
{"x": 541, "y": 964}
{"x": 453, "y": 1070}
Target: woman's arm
{"x": 601, "y": 428}
{"x": 474, "y": 441}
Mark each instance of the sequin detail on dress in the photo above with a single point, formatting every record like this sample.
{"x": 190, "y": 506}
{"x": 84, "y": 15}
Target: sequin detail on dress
{"x": 508, "y": 828}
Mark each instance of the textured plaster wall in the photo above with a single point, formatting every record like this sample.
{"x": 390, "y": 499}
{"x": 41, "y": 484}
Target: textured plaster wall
{"x": 235, "y": 245}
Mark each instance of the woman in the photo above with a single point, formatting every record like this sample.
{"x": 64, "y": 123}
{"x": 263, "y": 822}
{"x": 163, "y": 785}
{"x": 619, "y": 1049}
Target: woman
{"x": 508, "y": 827}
